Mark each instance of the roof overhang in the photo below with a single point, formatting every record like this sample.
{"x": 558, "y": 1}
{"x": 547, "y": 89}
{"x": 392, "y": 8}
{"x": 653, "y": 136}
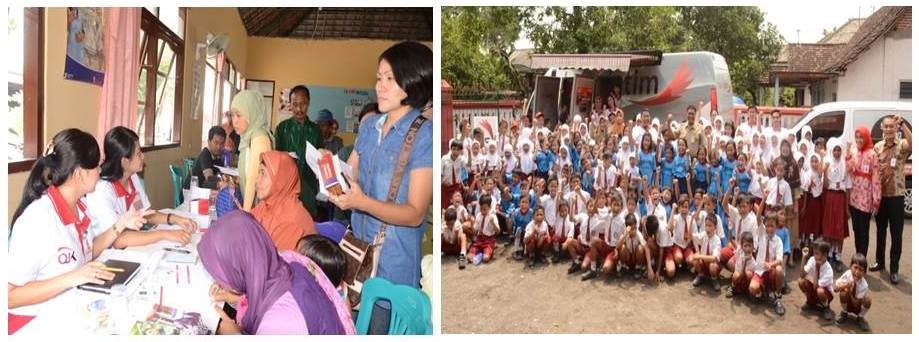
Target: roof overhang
{"x": 619, "y": 62}
{"x": 795, "y": 78}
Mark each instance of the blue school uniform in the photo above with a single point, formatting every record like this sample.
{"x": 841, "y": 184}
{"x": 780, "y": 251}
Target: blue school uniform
{"x": 782, "y": 233}
{"x": 667, "y": 173}
{"x": 680, "y": 172}
{"x": 712, "y": 185}
{"x": 743, "y": 180}
{"x": 700, "y": 175}
{"x": 727, "y": 171}
{"x": 519, "y": 220}
{"x": 646, "y": 165}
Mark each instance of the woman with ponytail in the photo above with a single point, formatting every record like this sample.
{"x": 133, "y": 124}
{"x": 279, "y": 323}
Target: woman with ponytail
{"x": 120, "y": 189}
{"x": 50, "y": 245}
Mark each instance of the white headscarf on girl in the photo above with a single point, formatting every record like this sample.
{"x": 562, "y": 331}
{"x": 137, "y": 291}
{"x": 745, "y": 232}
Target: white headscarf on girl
{"x": 566, "y": 160}
{"x": 837, "y": 167}
{"x": 810, "y": 142}
{"x": 810, "y": 176}
{"x": 510, "y": 163}
{"x": 492, "y": 160}
{"x": 527, "y": 160}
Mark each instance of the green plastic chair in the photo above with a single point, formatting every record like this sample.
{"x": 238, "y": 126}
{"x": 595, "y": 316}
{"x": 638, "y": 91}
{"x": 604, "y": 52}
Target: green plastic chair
{"x": 189, "y": 166}
{"x": 178, "y": 178}
{"x": 411, "y": 308}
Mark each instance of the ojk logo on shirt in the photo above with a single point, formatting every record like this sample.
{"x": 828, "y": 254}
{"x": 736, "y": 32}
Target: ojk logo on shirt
{"x": 66, "y": 255}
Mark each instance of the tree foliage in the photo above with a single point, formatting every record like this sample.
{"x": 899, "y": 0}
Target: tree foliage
{"x": 478, "y": 40}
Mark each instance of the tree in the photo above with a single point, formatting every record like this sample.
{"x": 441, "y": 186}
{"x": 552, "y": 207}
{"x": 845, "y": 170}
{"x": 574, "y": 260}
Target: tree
{"x": 477, "y": 43}
{"x": 740, "y": 34}
{"x": 604, "y": 29}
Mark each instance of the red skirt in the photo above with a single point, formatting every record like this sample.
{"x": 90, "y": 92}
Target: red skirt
{"x": 835, "y": 226}
{"x": 812, "y": 220}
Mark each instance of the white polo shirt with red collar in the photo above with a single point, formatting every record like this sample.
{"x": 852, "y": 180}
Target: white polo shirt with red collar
{"x": 48, "y": 240}
{"x": 110, "y": 200}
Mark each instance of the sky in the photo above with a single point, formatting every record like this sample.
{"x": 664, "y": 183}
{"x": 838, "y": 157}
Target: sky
{"x": 790, "y": 19}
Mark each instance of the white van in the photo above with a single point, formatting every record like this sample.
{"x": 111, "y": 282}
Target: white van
{"x": 840, "y": 119}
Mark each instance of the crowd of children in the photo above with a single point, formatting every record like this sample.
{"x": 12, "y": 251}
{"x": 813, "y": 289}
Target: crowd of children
{"x": 654, "y": 198}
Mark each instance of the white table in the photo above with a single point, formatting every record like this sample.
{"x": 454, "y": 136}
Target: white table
{"x": 185, "y": 286}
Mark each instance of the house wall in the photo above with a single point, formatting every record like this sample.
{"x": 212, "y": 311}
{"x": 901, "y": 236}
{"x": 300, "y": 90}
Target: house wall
{"x": 350, "y": 63}
{"x": 876, "y": 74}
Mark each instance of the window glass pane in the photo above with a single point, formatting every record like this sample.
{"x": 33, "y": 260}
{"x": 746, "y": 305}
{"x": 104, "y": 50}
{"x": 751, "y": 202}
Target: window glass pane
{"x": 829, "y": 125}
{"x": 227, "y": 96}
{"x": 165, "y": 98}
{"x": 208, "y": 115}
{"x": 169, "y": 16}
{"x": 15, "y": 134}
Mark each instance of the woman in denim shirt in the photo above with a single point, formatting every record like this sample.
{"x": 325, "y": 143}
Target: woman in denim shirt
{"x": 404, "y": 87}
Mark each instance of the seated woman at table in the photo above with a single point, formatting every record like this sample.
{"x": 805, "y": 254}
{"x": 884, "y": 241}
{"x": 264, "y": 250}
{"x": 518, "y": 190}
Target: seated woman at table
{"x": 403, "y": 88}
{"x": 279, "y": 293}
{"x": 279, "y": 209}
{"x": 50, "y": 245}
{"x": 120, "y": 189}
{"x": 251, "y": 121}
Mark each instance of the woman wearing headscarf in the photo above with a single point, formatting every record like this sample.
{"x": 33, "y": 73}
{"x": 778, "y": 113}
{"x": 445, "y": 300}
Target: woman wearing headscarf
{"x": 279, "y": 209}
{"x": 251, "y": 121}
{"x": 279, "y": 294}
{"x": 865, "y": 195}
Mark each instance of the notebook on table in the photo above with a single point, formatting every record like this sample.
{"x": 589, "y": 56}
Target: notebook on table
{"x": 130, "y": 269}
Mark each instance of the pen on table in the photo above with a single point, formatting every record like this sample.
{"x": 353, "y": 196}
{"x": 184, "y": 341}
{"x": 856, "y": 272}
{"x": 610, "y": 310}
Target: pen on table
{"x": 177, "y": 274}
{"x": 168, "y": 249}
{"x": 113, "y": 269}
{"x": 188, "y": 273}
{"x": 161, "y": 295}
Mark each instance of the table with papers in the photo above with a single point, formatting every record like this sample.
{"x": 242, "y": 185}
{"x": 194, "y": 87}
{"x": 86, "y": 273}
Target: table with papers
{"x": 167, "y": 275}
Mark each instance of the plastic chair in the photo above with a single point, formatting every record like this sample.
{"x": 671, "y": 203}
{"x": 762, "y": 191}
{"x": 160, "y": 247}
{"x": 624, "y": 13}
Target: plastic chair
{"x": 177, "y": 180}
{"x": 189, "y": 167}
{"x": 410, "y": 308}
{"x": 332, "y": 230}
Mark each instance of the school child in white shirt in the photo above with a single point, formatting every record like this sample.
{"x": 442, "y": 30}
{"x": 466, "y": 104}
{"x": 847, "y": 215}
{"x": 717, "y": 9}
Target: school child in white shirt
{"x": 486, "y": 229}
{"x": 744, "y": 266}
{"x": 633, "y": 250}
{"x": 596, "y": 222}
{"x": 536, "y": 237}
{"x": 853, "y": 292}
{"x": 767, "y": 279}
{"x": 817, "y": 280}
{"x": 452, "y": 237}
{"x": 706, "y": 259}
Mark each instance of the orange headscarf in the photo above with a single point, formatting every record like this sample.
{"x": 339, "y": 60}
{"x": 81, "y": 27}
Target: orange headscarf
{"x": 281, "y": 213}
{"x": 866, "y": 138}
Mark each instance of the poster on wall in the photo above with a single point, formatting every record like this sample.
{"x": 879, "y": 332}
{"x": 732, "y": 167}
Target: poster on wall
{"x": 344, "y": 103}
{"x": 85, "y": 61}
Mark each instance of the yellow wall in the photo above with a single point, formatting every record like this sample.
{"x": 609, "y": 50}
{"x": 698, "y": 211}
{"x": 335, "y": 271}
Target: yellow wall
{"x": 75, "y": 104}
{"x": 330, "y": 63}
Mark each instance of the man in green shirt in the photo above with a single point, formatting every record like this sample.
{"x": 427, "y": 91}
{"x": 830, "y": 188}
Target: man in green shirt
{"x": 292, "y": 134}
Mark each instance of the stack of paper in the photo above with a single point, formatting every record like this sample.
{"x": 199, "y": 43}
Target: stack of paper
{"x": 343, "y": 171}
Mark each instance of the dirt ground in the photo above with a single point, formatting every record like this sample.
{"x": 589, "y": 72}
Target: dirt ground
{"x": 505, "y": 297}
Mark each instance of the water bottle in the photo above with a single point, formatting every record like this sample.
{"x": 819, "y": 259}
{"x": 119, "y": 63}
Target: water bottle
{"x": 120, "y": 319}
{"x": 194, "y": 182}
